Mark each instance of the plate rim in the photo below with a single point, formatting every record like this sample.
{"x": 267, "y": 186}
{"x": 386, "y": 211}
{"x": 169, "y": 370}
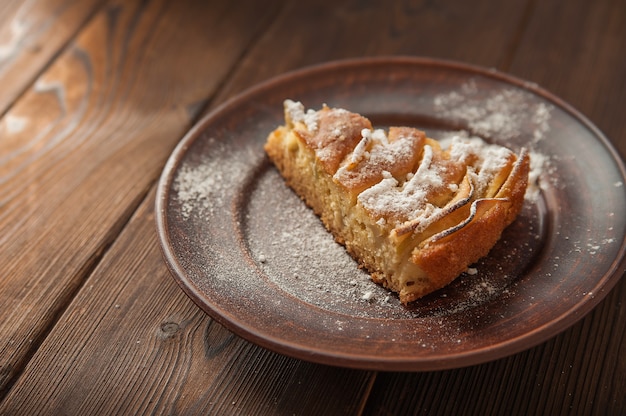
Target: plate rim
{"x": 310, "y": 353}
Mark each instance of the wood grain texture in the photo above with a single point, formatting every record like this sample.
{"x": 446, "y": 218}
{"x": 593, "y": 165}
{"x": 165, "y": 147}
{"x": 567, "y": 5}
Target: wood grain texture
{"x": 577, "y": 52}
{"x": 132, "y": 343}
{"x": 85, "y": 143}
{"x": 574, "y": 373}
{"x": 31, "y": 33}
{"x": 307, "y": 33}
{"x": 91, "y": 321}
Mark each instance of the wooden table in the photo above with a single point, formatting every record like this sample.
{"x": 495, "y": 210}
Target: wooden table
{"x": 95, "y": 94}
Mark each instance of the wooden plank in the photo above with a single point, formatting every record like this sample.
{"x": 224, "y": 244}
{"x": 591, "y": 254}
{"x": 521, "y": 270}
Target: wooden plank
{"x": 31, "y": 33}
{"x": 574, "y": 52}
{"x": 82, "y": 147}
{"x": 577, "y": 52}
{"x": 132, "y": 343}
{"x": 477, "y": 32}
{"x": 577, "y": 372}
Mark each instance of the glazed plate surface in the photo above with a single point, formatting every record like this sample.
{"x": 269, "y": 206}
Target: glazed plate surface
{"x": 247, "y": 250}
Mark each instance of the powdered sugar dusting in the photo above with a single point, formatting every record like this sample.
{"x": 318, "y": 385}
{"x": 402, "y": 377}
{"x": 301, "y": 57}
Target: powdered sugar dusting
{"x": 360, "y": 151}
{"x": 303, "y": 260}
{"x": 490, "y": 159}
{"x": 299, "y": 241}
{"x": 200, "y": 187}
{"x": 409, "y": 200}
{"x": 294, "y": 110}
{"x": 506, "y": 113}
{"x": 387, "y": 198}
{"x": 538, "y": 164}
{"x": 197, "y": 187}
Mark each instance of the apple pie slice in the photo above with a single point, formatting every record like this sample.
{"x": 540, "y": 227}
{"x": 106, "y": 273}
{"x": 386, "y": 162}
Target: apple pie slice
{"x": 414, "y": 214}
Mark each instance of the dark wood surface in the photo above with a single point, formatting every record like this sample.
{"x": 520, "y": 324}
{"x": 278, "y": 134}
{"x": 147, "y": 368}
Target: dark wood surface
{"x": 96, "y": 94}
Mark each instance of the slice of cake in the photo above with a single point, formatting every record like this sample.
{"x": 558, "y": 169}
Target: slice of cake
{"x": 414, "y": 214}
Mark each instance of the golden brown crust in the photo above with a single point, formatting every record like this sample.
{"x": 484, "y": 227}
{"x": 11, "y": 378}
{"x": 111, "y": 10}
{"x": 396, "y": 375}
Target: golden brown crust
{"x": 414, "y": 215}
{"x": 444, "y": 259}
{"x": 337, "y": 134}
{"x": 398, "y": 157}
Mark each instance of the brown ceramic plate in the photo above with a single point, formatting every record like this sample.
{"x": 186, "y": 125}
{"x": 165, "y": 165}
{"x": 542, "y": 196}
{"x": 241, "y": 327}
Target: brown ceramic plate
{"x": 252, "y": 256}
